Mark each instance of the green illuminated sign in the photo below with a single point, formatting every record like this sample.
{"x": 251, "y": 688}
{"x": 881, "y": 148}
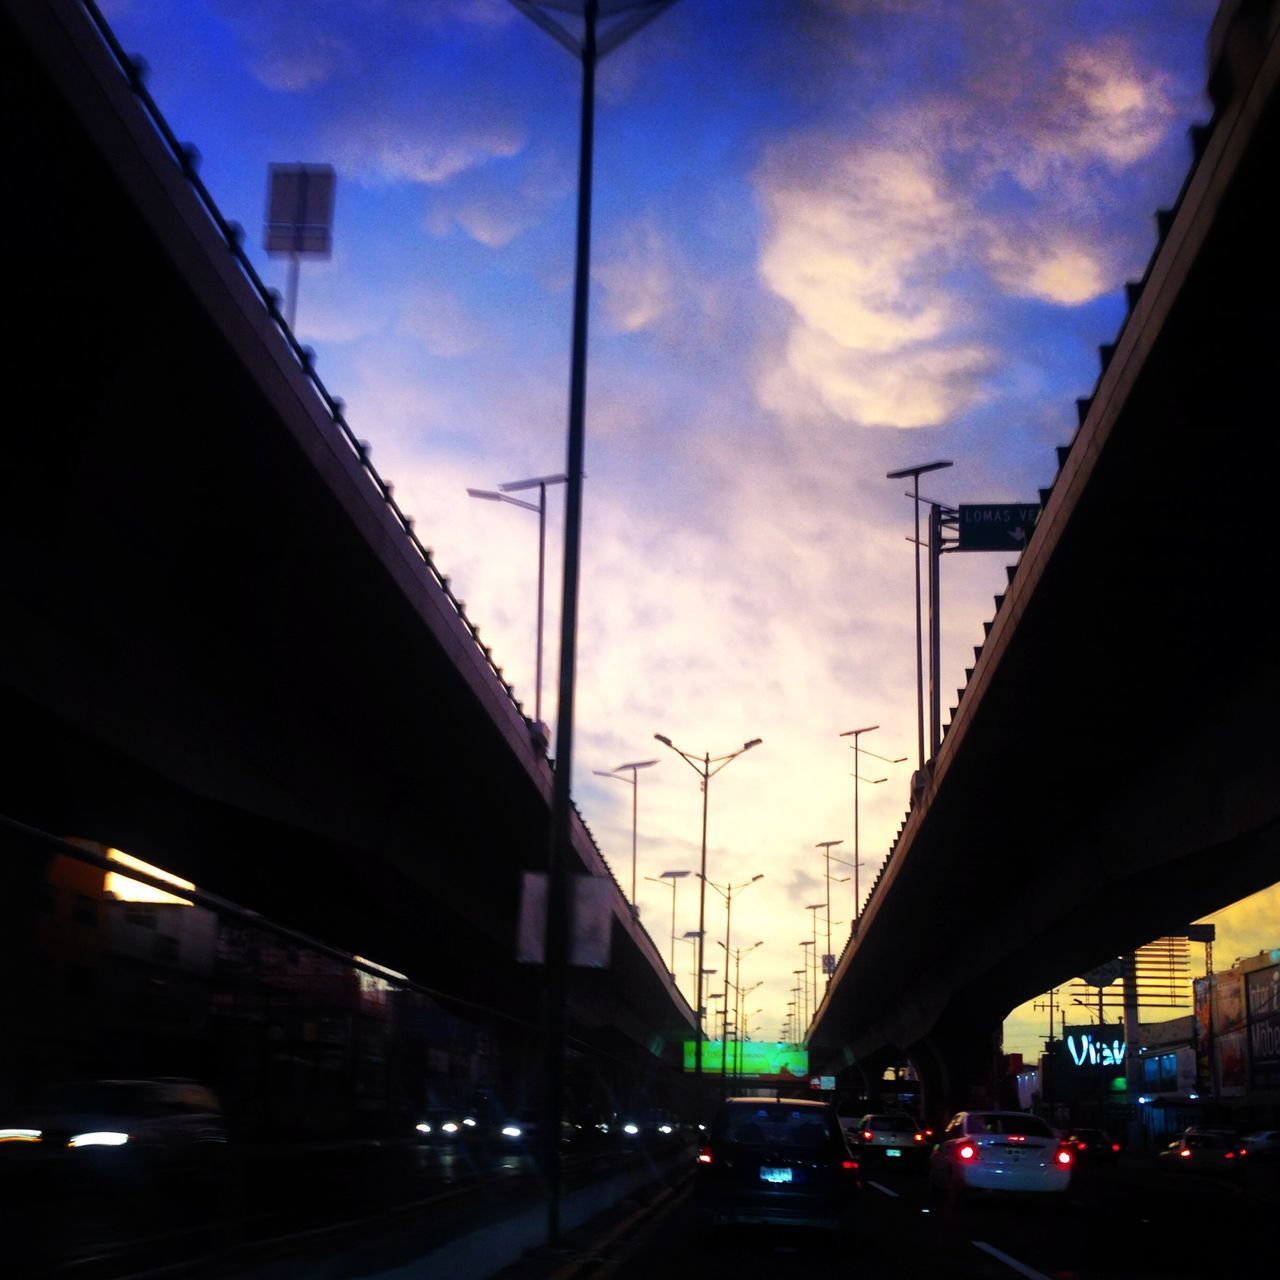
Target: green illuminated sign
{"x": 755, "y": 1059}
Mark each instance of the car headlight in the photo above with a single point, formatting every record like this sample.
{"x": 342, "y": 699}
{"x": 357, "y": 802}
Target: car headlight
{"x": 423, "y": 1128}
{"x": 510, "y": 1131}
{"x": 449, "y": 1127}
{"x": 664, "y": 1128}
{"x": 630, "y": 1128}
{"x": 20, "y": 1135}
{"x": 469, "y": 1122}
{"x": 98, "y": 1138}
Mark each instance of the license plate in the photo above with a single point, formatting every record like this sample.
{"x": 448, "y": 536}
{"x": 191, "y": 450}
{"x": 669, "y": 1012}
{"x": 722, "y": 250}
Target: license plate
{"x": 892, "y": 1151}
{"x": 775, "y": 1175}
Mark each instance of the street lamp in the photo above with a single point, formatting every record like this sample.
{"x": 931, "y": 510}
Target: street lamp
{"x": 915, "y": 473}
{"x": 635, "y": 766}
{"x": 671, "y": 878}
{"x": 736, "y": 956}
{"x": 691, "y": 936}
{"x": 504, "y": 495}
{"x": 828, "y": 957}
{"x": 622, "y": 19}
{"x": 808, "y": 964}
{"x": 703, "y": 768}
{"x": 856, "y": 735}
{"x": 726, "y": 891}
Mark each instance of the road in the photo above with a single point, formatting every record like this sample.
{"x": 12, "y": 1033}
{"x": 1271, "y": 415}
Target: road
{"x": 1128, "y": 1223}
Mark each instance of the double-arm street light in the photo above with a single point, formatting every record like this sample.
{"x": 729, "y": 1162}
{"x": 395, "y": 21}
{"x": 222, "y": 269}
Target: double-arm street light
{"x": 703, "y": 767}
{"x": 736, "y": 956}
{"x": 671, "y": 878}
{"x": 857, "y": 750}
{"x": 808, "y": 965}
{"x": 635, "y": 766}
{"x": 726, "y": 891}
{"x": 503, "y": 494}
{"x": 605, "y": 25}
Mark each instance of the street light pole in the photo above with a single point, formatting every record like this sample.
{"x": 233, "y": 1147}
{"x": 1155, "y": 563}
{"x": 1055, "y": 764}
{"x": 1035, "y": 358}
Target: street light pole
{"x": 826, "y": 845}
{"x": 726, "y": 891}
{"x": 856, "y": 734}
{"x": 587, "y": 49}
{"x": 634, "y": 766}
{"x": 503, "y": 495}
{"x": 808, "y": 964}
{"x": 671, "y": 878}
{"x": 701, "y": 765}
{"x": 915, "y": 473}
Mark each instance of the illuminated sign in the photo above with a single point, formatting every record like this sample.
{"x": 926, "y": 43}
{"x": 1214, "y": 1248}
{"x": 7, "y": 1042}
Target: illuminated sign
{"x": 757, "y": 1059}
{"x": 1086, "y": 1050}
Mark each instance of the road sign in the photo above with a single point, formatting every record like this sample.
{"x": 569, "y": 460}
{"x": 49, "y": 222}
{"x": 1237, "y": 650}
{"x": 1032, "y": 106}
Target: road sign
{"x": 996, "y": 526}
{"x": 828, "y": 965}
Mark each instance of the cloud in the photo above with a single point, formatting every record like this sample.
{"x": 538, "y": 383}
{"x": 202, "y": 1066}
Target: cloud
{"x": 385, "y": 149}
{"x": 637, "y": 278}
{"x": 440, "y": 321}
{"x": 860, "y": 241}
{"x": 1063, "y": 269}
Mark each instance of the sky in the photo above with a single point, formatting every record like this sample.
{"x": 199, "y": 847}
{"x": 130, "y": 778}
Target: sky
{"x": 831, "y": 238}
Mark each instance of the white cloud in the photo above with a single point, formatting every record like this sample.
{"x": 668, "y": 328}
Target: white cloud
{"x": 637, "y": 279}
{"x": 387, "y": 150}
{"x": 1063, "y": 270}
{"x": 859, "y": 242}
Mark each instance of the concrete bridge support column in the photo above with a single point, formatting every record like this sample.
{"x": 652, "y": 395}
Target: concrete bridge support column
{"x": 958, "y": 1070}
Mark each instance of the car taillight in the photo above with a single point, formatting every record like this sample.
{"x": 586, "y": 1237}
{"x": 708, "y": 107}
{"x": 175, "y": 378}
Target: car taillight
{"x": 704, "y": 1155}
{"x": 1185, "y": 1153}
{"x": 848, "y": 1164}
{"x": 1115, "y": 1146}
{"x": 1230, "y": 1155}
{"x": 967, "y": 1152}
{"x": 866, "y": 1135}
{"x": 919, "y": 1137}
{"x": 1082, "y": 1146}
{"x": 1064, "y": 1156}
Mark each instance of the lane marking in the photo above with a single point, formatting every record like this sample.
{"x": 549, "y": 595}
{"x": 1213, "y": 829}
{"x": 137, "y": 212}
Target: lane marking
{"x": 1020, "y": 1267}
{"x": 880, "y": 1187}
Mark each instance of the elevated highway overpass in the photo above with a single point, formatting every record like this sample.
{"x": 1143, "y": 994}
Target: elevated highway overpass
{"x": 1111, "y": 769}
{"x": 225, "y": 648}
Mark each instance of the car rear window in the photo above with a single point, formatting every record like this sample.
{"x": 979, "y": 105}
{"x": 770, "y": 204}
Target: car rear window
{"x": 1030, "y": 1126}
{"x": 775, "y": 1125}
{"x": 889, "y": 1124}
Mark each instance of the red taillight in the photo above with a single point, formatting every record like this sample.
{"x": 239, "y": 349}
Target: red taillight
{"x": 848, "y": 1164}
{"x": 1230, "y": 1155}
{"x": 1115, "y": 1146}
{"x": 1185, "y": 1153}
{"x": 866, "y": 1135}
{"x": 919, "y": 1137}
{"x": 1082, "y": 1146}
{"x": 967, "y": 1152}
{"x": 704, "y": 1155}
{"x": 1064, "y": 1157}
{"x": 1017, "y": 1137}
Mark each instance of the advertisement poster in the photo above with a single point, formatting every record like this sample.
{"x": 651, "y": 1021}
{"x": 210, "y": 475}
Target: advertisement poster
{"x": 760, "y": 1059}
{"x": 1263, "y": 995}
{"x": 1233, "y": 1062}
{"x": 1228, "y": 1005}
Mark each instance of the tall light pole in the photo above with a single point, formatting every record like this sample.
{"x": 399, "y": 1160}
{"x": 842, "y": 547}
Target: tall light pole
{"x": 736, "y": 956}
{"x": 808, "y": 964}
{"x": 827, "y": 846}
{"x": 691, "y": 936}
{"x": 672, "y": 878}
{"x": 635, "y": 766}
{"x": 813, "y": 908}
{"x": 623, "y": 18}
{"x": 702, "y": 766}
{"x": 726, "y": 891}
{"x": 857, "y": 749}
{"x": 915, "y": 473}
{"x": 503, "y": 494}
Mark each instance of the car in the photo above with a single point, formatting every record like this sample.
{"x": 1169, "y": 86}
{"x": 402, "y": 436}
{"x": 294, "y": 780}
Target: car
{"x": 999, "y": 1152}
{"x": 447, "y": 1126}
{"x": 781, "y": 1162}
{"x": 1093, "y": 1146}
{"x": 1206, "y": 1151}
{"x": 1263, "y": 1146}
{"x": 892, "y": 1138}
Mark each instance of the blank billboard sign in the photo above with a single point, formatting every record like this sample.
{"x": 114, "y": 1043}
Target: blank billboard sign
{"x": 300, "y": 209}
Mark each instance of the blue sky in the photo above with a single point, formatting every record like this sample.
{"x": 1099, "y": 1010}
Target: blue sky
{"x": 831, "y": 238}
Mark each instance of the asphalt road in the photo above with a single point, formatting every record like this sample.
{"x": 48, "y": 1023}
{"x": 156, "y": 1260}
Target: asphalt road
{"x": 1129, "y": 1223}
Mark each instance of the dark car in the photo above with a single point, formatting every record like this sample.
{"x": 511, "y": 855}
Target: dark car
{"x": 1093, "y": 1146}
{"x": 776, "y": 1162}
{"x": 1206, "y": 1151}
{"x": 893, "y": 1139}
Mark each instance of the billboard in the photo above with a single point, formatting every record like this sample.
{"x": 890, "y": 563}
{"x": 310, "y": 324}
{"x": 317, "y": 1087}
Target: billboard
{"x": 766, "y": 1060}
{"x": 1262, "y": 988}
{"x": 1203, "y": 1038}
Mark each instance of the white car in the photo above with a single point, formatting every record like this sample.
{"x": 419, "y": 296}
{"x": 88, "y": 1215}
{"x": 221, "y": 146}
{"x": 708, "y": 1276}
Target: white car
{"x": 999, "y": 1151}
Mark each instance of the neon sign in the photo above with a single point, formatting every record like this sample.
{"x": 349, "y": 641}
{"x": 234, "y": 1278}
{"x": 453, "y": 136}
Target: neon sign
{"x": 1085, "y": 1051}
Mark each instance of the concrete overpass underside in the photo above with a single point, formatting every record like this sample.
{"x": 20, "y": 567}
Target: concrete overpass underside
{"x": 221, "y": 651}
{"x": 1111, "y": 771}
